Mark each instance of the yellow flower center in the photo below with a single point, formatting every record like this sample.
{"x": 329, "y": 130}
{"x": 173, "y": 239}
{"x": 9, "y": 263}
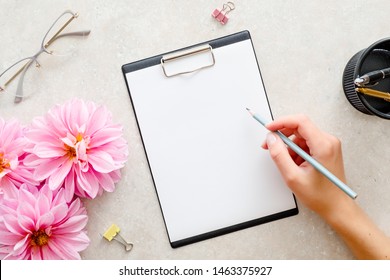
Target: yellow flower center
{"x": 79, "y": 137}
{"x": 4, "y": 164}
{"x": 71, "y": 151}
{"x": 39, "y": 238}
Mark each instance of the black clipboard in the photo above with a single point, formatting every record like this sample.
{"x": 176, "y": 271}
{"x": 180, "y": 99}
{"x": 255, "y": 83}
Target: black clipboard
{"x": 203, "y": 149}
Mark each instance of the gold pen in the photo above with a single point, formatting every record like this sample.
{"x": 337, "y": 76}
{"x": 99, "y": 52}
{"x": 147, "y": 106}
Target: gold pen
{"x": 374, "y": 93}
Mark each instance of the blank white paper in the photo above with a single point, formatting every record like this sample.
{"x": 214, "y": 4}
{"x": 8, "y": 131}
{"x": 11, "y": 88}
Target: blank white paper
{"x": 204, "y": 148}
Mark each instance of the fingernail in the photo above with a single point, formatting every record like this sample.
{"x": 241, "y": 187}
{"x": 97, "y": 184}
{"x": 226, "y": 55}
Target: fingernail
{"x": 270, "y": 139}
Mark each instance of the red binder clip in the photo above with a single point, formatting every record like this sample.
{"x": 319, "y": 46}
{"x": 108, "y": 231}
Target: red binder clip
{"x": 221, "y": 16}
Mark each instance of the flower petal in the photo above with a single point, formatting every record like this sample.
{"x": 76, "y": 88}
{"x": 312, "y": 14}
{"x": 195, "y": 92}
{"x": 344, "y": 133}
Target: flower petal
{"x": 57, "y": 177}
{"x": 48, "y": 254}
{"x": 69, "y": 185}
{"x": 101, "y": 161}
{"x": 47, "y": 168}
{"x": 60, "y": 250}
{"x": 8, "y": 187}
{"x": 22, "y": 244}
{"x": 76, "y": 208}
{"x": 69, "y": 140}
{"x": 26, "y": 223}
{"x": 72, "y": 225}
{"x": 49, "y": 150}
{"x": 59, "y": 212}
{"x": 105, "y": 181}
{"x": 26, "y": 209}
{"x": 98, "y": 119}
{"x": 79, "y": 241}
{"x": 40, "y": 135}
{"x": 7, "y": 237}
{"x": 12, "y": 130}
{"x": 106, "y": 135}
{"x": 42, "y": 204}
{"x": 45, "y": 220}
{"x": 12, "y": 224}
{"x": 36, "y": 253}
{"x": 33, "y": 160}
{"x": 87, "y": 183}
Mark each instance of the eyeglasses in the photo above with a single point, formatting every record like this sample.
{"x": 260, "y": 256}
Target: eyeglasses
{"x": 49, "y": 45}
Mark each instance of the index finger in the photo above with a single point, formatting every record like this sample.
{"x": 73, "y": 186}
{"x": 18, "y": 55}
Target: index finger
{"x": 299, "y": 125}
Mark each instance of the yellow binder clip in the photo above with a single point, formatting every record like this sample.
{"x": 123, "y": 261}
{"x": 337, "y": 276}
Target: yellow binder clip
{"x": 113, "y": 233}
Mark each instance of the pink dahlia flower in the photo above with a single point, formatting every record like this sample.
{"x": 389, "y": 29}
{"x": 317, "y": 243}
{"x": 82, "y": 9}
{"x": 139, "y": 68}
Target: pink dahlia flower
{"x": 77, "y": 146}
{"x": 13, "y": 173}
{"x": 40, "y": 224}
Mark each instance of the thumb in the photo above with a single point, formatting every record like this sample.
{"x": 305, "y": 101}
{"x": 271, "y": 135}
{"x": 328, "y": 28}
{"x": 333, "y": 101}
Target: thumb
{"x": 280, "y": 155}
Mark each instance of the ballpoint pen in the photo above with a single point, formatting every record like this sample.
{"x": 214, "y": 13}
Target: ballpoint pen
{"x": 318, "y": 166}
{"x": 372, "y": 78}
{"x": 374, "y": 93}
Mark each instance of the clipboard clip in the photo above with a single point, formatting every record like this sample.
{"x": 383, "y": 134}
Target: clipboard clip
{"x": 205, "y": 62}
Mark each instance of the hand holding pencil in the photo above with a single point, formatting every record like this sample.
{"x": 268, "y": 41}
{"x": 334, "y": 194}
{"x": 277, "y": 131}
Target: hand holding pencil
{"x": 364, "y": 238}
{"x": 310, "y": 186}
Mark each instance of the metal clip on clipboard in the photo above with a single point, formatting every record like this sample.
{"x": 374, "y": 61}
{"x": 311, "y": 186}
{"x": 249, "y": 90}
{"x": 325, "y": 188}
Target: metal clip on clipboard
{"x": 200, "y": 57}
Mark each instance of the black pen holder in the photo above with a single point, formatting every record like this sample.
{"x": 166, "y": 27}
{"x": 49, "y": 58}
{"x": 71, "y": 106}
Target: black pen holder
{"x": 375, "y": 57}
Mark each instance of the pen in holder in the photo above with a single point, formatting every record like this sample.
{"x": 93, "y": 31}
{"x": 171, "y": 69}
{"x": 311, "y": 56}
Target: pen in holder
{"x": 370, "y": 98}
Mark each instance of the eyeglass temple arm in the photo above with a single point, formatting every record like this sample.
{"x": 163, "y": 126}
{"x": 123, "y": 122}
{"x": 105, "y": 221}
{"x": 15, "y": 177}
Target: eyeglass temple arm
{"x": 19, "y": 90}
{"x": 77, "y": 33}
{"x": 52, "y": 39}
{"x": 56, "y": 35}
{"x": 17, "y": 73}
